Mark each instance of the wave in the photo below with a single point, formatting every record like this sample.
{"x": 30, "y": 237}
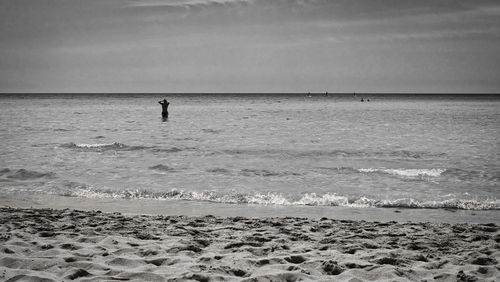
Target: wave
{"x": 399, "y": 154}
{"x": 409, "y": 173}
{"x": 214, "y": 131}
{"x": 406, "y": 172}
{"x": 465, "y": 175}
{"x": 308, "y": 199}
{"x": 102, "y": 147}
{"x": 402, "y": 173}
{"x": 24, "y": 174}
{"x": 61, "y": 129}
{"x": 218, "y": 170}
{"x": 169, "y": 150}
{"x": 425, "y": 174}
{"x": 99, "y": 147}
{"x": 265, "y": 172}
{"x": 252, "y": 172}
{"x": 162, "y": 168}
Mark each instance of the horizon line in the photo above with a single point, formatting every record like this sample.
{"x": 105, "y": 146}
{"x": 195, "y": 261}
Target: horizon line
{"x": 252, "y": 93}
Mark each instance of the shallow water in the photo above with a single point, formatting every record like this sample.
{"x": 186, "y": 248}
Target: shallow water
{"x": 399, "y": 151}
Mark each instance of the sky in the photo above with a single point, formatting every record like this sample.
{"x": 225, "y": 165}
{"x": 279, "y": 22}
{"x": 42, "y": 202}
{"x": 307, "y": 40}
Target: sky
{"x": 172, "y": 46}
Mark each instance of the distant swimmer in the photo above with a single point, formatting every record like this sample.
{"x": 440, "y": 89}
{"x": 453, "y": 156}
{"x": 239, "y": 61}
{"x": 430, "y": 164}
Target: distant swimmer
{"x": 309, "y": 95}
{"x": 362, "y": 100}
{"x": 164, "y": 106}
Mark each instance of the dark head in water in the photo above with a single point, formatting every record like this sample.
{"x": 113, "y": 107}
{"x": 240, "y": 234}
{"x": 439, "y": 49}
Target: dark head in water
{"x": 164, "y": 106}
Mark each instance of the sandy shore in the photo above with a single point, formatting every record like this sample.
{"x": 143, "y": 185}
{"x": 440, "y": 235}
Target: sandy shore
{"x": 57, "y": 245}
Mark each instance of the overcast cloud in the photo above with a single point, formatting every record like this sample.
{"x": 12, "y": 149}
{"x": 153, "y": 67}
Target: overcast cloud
{"x": 249, "y": 46}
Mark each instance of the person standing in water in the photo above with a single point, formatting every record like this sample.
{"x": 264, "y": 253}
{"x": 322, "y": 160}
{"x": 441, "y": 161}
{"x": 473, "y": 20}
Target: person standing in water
{"x": 164, "y": 106}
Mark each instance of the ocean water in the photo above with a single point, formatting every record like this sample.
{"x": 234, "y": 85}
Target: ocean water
{"x": 396, "y": 151}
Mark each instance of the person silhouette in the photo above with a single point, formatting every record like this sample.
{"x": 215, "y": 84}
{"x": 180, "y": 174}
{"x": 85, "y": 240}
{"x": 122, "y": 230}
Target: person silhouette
{"x": 164, "y": 105}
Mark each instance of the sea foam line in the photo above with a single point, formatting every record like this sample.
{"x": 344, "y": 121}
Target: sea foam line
{"x": 308, "y": 199}
{"x": 406, "y": 172}
{"x": 94, "y": 146}
{"x": 116, "y": 146}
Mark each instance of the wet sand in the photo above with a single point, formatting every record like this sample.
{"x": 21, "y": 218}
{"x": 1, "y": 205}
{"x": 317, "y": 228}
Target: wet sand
{"x": 56, "y": 245}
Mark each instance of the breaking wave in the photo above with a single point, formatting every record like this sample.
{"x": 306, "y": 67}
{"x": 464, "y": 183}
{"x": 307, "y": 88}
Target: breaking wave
{"x": 411, "y": 172}
{"x": 308, "y": 199}
{"x": 100, "y": 147}
{"x": 419, "y": 173}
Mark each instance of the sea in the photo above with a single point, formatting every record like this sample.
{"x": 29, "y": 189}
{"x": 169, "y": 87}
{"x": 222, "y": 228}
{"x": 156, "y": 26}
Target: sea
{"x": 411, "y": 156}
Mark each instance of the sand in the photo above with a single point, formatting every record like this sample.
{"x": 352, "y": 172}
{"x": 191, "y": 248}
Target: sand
{"x": 63, "y": 245}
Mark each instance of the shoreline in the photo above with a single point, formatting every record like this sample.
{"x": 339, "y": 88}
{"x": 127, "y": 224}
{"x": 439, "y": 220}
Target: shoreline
{"x": 70, "y": 244}
{"x": 197, "y": 208}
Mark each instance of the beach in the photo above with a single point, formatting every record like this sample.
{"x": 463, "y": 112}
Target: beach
{"x": 66, "y": 244}
{"x": 269, "y": 188}
{"x": 249, "y": 140}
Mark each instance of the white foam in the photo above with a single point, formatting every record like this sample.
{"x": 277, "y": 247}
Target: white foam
{"x": 100, "y": 145}
{"x": 92, "y": 194}
{"x": 92, "y": 145}
{"x": 326, "y": 200}
{"x": 308, "y": 199}
{"x": 268, "y": 199}
{"x": 406, "y": 172}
